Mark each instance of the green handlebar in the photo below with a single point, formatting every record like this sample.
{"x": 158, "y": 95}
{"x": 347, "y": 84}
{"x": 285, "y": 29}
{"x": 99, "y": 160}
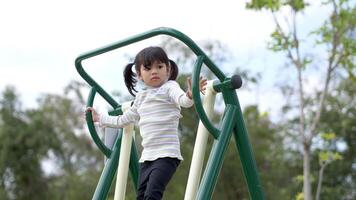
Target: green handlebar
{"x": 93, "y": 133}
{"x": 197, "y": 100}
{"x": 139, "y": 37}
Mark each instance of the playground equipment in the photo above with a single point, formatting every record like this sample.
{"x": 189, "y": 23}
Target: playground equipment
{"x": 123, "y": 156}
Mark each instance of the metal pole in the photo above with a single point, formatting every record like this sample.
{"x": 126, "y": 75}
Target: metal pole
{"x": 124, "y": 160}
{"x": 109, "y": 171}
{"x": 246, "y": 156}
{"x": 217, "y": 154}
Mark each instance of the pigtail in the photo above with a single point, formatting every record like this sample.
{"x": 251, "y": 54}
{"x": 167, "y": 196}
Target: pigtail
{"x": 174, "y": 70}
{"x": 130, "y": 80}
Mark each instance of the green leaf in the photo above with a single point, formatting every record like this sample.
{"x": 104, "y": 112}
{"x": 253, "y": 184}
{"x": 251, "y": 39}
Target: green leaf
{"x": 328, "y": 136}
{"x": 299, "y": 196}
{"x": 272, "y": 5}
{"x": 337, "y": 156}
{"x": 299, "y": 178}
{"x": 296, "y": 5}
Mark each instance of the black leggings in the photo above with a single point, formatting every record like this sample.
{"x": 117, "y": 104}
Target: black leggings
{"x": 154, "y": 177}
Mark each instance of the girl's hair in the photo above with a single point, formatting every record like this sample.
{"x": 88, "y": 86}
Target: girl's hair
{"x": 146, "y": 57}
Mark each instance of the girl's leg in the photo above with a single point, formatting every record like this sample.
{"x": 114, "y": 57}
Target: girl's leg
{"x": 143, "y": 179}
{"x": 161, "y": 173}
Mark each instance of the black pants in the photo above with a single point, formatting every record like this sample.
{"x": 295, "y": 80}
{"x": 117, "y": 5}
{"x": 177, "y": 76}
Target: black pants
{"x": 154, "y": 177}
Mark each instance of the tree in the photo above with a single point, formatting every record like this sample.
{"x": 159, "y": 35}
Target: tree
{"x": 24, "y": 142}
{"x": 339, "y": 178}
{"x": 326, "y": 157}
{"x": 52, "y": 131}
{"x": 337, "y": 38}
{"x": 78, "y": 160}
{"x": 266, "y": 140}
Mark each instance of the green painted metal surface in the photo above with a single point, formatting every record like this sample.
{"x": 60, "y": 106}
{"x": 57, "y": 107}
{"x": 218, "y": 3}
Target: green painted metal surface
{"x": 232, "y": 123}
{"x": 134, "y": 166}
{"x": 216, "y": 157}
{"x": 106, "y": 151}
{"x": 246, "y": 155}
{"x": 109, "y": 171}
{"x": 197, "y": 101}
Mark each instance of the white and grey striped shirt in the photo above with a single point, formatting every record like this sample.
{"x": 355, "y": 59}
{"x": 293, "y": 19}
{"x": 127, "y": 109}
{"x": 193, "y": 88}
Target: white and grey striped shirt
{"x": 157, "y": 111}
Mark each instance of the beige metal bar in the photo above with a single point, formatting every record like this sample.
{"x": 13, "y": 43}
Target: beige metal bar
{"x": 123, "y": 167}
{"x": 200, "y": 146}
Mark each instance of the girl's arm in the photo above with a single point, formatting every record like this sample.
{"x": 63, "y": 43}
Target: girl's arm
{"x": 182, "y": 98}
{"x": 128, "y": 117}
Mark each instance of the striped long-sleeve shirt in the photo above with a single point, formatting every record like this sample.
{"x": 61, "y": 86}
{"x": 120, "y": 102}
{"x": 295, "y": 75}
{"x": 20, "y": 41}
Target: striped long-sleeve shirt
{"x": 157, "y": 111}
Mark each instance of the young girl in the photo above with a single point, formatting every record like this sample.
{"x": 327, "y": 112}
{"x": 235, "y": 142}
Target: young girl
{"x": 157, "y": 110}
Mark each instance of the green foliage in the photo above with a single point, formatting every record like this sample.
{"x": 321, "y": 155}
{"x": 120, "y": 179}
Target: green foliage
{"x": 270, "y": 154}
{"x": 340, "y": 118}
{"x": 327, "y": 156}
{"x": 299, "y": 196}
{"x": 275, "y": 5}
{"x": 281, "y": 42}
{"x": 49, "y": 132}
{"x": 264, "y": 4}
{"x": 328, "y": 136}
{"x": 337, "y": 37}
{"x": 296, "y": 5}
{"x": 22, "y": 147}
{"x": 299, "y": 178}
{"x": 339, "y": 30}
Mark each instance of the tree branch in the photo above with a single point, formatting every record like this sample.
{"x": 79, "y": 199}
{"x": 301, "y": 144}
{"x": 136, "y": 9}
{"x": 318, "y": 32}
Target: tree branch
{"x": 298, "y": 64}
{"x": 331, "y": 67}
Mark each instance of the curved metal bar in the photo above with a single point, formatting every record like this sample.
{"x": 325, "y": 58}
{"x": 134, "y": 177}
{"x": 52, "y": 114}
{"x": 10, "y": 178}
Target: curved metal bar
{"x": 197, "y": 100}
{"x": 91, "y": 126}
{"x": 154, "y": 32}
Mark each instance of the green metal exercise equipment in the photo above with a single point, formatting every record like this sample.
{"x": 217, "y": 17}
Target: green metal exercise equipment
{"x": 232, "y": 122}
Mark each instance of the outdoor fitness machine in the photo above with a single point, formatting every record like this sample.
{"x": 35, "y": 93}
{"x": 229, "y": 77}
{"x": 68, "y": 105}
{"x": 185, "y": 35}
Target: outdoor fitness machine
{"x": 123, "y": 156}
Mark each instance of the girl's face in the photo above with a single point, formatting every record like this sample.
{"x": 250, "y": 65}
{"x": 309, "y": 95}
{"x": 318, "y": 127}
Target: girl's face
{"x": 154, "y": 75}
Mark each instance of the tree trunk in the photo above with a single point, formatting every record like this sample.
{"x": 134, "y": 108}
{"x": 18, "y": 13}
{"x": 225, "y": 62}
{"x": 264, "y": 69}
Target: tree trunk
{"x": 321, "y": 173}
{"x": 306, "y": 172}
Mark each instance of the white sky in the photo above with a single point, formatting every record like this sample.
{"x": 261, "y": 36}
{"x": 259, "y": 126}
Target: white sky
{"x": 39, "y": 39}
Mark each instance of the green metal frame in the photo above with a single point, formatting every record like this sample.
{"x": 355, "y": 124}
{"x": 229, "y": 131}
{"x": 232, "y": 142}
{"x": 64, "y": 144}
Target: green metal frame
{"x": 232, "y": 122}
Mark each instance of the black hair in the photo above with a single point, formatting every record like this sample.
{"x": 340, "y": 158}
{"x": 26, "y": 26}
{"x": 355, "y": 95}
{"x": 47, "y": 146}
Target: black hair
{"x": 146, "y": 57}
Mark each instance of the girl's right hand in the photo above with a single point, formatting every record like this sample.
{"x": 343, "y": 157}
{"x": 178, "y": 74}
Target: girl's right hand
{"x": 202, "y": 86}
{"x": 93, "y": 113}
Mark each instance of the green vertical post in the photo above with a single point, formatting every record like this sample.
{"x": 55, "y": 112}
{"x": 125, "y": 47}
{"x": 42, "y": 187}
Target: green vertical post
{"x": 109, "y": 171}
{"x": 217, "y": 155}
{"x": 246, "y": 156}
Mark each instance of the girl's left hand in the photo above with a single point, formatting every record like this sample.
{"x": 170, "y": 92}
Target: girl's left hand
{"x": 202, "y": 86}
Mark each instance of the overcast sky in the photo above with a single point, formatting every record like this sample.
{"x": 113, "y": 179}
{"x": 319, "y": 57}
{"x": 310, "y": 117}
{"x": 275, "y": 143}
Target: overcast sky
{"x": 39, "y": 39}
